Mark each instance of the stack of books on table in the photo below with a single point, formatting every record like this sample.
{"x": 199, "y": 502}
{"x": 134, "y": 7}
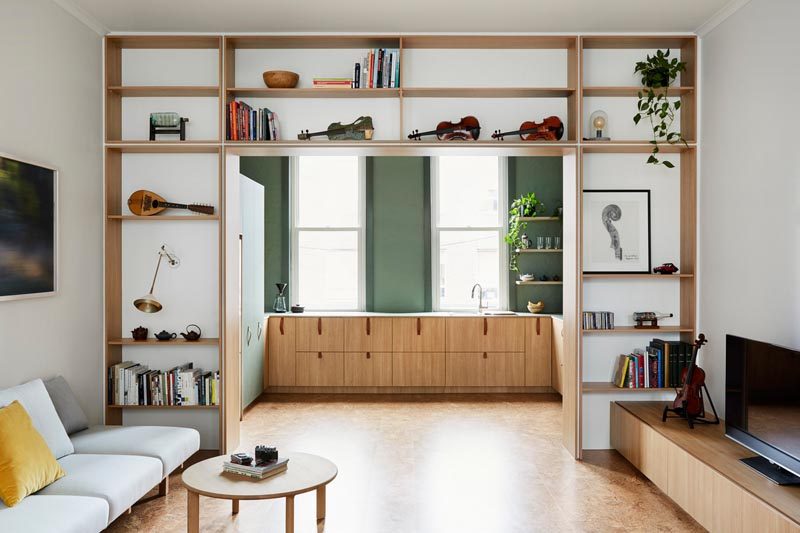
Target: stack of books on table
{"x": 333, "y": 83}
{"x": 257, "y": 472}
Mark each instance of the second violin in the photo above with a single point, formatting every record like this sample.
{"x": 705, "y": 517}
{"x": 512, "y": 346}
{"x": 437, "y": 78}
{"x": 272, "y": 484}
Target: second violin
{"x": 550, "y": 129}
{"x": 466, "y": 129}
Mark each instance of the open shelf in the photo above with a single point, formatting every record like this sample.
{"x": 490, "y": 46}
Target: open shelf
{"x": 486, "y": 92}
{"x": 114, "y": 406}
{"x": 627, "y": 330}
{"x": 164, "y": 90}
{"x": 607, "y": 386}
{"x": 538, "y": 251}
{"x": 633, "y": 147}
{"x": 636, "y": 276}
{"x": 164, "y": 41}
{"x": 127, "y": 341}
{"x": 164, "y": 147}
{"x": 633, "y": 91}
{"x": 489, "y": 41}
{"x": 164, "y": 218}
{"x": 539, "y": 282}
{"x": 539, "y": 219}
{"x": 312, "y": 92}
{"x": 312, "y": 41}
{"x": 638, "y": 41}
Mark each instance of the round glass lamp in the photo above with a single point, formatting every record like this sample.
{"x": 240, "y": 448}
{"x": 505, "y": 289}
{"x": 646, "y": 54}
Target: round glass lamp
{"x": 598, "y": 122}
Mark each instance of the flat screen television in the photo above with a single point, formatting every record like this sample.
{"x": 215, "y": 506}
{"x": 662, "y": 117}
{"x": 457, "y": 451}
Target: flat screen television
{"x": 28, "y": 234}
{"x": 762, "y": 406}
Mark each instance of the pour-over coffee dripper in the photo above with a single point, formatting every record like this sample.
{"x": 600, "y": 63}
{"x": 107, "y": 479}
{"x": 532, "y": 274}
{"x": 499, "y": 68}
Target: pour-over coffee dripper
{"x": 280, "y": 299}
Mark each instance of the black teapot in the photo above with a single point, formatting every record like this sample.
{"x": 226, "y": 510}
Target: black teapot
{"x": 139, "y": 334}
{"x": 192, "y": 335}
{"x": 165, "y": 335}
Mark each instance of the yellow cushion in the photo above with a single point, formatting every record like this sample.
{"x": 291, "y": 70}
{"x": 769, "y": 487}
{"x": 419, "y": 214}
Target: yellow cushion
{"x": 26, "y": 463}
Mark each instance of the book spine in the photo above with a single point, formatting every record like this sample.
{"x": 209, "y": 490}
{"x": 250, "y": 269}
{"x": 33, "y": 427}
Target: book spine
{"x": 357, "y": 76}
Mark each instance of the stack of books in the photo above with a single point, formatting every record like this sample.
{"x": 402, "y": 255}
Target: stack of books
{"x": 659, "y": 365}
{"x": 132, "y": 383}
{"x": 333, "y": 83}
{"x": 598, "y": 320}
{"x": 378, "y": 69}
{"x": 256, "y": 472}
{"x": 247, "y": 124}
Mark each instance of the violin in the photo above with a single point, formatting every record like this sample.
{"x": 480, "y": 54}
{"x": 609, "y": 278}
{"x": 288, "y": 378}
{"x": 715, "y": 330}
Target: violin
{"x": 693, "y": 378}
{"x": 550, "y": 129}
{"x": 466, "y": 129}
{"x": 360, "y": 129}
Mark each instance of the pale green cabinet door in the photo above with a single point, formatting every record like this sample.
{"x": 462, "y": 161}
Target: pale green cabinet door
{"x": 253, "y": 334}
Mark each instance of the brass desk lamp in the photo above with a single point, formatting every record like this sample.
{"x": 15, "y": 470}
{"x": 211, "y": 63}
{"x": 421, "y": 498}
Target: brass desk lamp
{"x": 148, "y": 302}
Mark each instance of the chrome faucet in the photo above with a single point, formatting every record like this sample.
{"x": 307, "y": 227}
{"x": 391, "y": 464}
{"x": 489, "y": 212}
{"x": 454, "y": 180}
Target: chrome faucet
{"x": 481, "y": 307}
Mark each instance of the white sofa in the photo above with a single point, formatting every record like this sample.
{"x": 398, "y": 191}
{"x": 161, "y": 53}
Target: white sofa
{"x": 108, "y": 468}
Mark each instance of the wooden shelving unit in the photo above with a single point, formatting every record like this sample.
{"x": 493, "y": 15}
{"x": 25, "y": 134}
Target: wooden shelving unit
{"x": 602, "y": 386}
{"x": 539, "y": 251}
{"x": 633, "y": 91}
{"x": 119, "y": 408}
{"x": 163, "y": 218}
{"x": 157, "y": 90}
{"x": 622, "y": 277}
{"x": 155, "y": 342}
{"x": 540, "y": 219}
{"x": 539, "y": 282}
{"x": 627, "y": 330}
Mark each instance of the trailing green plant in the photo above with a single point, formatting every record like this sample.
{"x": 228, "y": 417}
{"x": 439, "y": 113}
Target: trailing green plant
{"x": 658, "y": 72}
{"x": 522, "y": 207}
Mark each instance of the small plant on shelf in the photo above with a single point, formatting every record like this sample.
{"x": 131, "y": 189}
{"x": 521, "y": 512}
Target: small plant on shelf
{"x": 658, "y": 72}
{"x": 523, "y": 207}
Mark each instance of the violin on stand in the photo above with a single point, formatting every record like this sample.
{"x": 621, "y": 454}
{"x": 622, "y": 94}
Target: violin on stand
{"x": 360, "y": 129}
{"x": 466, "y": 129}
{"x": 550, "y": 129}
{"x": 688, "y": 404}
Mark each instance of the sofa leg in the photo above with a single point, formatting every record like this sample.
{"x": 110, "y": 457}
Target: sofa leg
{"x": 130, "y": 510}
{"x": 163, "y": 487}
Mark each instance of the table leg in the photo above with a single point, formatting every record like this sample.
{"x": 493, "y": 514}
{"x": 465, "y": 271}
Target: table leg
{"x": 193, "y": 512}
{"x": 321, "y": 503}
{"x": 234, "y": 506}
{"x": 290, "y": 514}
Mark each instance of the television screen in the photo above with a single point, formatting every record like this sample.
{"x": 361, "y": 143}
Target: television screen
{"x": 27, "y": 229}
{"x": 762, "y": 400}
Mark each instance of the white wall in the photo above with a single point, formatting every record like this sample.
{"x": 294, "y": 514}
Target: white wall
{"x": 750, "y": 186}
{"x": 50, "y": 91}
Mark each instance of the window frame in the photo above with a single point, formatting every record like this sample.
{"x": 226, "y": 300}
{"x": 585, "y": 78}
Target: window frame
{"x": 294, "y": 211}
{"x": 501, "y": 229}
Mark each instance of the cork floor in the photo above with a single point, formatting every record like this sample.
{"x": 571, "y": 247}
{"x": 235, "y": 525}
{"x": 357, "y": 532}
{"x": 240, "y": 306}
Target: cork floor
{"x": 431, "y": 464}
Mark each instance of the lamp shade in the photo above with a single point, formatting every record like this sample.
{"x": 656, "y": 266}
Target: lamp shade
{"x": 148, "y": 304}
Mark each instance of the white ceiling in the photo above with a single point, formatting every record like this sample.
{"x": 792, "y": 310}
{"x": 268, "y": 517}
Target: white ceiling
{"x": 379, "y": 16}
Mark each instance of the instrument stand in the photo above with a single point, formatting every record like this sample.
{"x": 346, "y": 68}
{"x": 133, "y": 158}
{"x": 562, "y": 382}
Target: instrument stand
{"x": 680, "y": 412}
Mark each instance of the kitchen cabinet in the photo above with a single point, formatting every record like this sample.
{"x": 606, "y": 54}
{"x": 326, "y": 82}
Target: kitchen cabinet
{"x": 485, "y": 369}
{"x": 418, "y": 334}
{"x": 368, "y": 334}
{"x": 281, "y": 351}
{"x": 489, "y": 334}
{"x": 538, "y": 356}
{"x": 320, "y": 369}
{"x": 420, "y": 369}
{"x": 368, "y": 369}
{"x": 320, "y": 334}
{"x": 557, "y": 360}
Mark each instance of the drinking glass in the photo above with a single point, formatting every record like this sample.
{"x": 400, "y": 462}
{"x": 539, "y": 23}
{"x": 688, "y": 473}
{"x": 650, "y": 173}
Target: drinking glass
{"x": 548, "y": 243}
{"x": 540, "y": 243}
{"x": 557, "y": 242}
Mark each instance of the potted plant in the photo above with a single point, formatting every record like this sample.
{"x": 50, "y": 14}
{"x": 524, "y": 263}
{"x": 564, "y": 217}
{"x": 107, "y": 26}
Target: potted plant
{"x": 523, "y": 207}
{"x": 658, "y": 72}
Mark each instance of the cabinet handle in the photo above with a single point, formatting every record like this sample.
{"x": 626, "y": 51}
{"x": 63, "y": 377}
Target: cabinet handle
{"x": 485, "y": 355}
{"x": 368, "y": 328}
{"x": 319, "y": 326}
{"x": 538, "y": 326}
{"x": 419, "y": 326}
{"x": 249, "y": 335}
{"x": 258, "y": 331}
{"x": 319, "y": 355}
{"x": 281, "y": 326}
{"x": 368, "y": 355}
{"x": 485, "y": 326}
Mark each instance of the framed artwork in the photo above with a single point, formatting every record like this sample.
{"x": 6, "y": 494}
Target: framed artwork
{"x": 28, "y": 229}
{"x": 616, "y": 231}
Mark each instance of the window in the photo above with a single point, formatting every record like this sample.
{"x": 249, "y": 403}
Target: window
{"x": 327, "y": 232}
{"x": 467, "y": 226}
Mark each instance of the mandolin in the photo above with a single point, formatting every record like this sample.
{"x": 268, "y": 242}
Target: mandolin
{"x": 550, "y": 129}
{"x": 146, "y": 203}
{"x": 466, "y": 129}
{"x": 360, "y": 129}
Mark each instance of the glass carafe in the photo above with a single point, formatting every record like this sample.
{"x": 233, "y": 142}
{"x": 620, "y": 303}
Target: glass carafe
{"x": 280, "y": 299}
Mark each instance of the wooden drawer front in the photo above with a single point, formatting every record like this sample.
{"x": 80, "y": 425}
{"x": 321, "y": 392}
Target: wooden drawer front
{"x": 505, "y": 369}
{"x": 368, "y": 369}
{"x": 489, "y": 334}
{"x": 466, "y": 369}
{"x": 422, "y": 334}
{"x": 411, "y": 369}
{"x": 320, "y": 369}
{"x": 320, "y": 334}
{"x": 368, "y": 334}
{"x": 281, "y": 351}
{"x": 538, "y": 352}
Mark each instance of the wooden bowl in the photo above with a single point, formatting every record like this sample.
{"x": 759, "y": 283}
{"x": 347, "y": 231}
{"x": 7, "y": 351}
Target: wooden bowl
{"x": 537, "y": 307}
{"x": 281, "y": 79}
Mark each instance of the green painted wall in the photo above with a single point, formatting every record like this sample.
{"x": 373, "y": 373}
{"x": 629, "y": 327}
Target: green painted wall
{"x": 398, "y": 234}
{"x": 273, "y": 174}
{"x": 542, "y": 175}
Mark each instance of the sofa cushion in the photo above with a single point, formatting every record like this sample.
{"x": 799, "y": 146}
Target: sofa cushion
{"x": 26, "y": 463}
{"x": 69, "y": 411}
{"x": 171, "y": 445}
{"x": 121, "y": 480}
{"x": 46, "y": 514}
{"x": 34, "y": 398}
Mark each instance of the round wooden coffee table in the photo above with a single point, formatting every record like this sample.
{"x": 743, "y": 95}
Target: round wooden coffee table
{"x": 305, "y": 473}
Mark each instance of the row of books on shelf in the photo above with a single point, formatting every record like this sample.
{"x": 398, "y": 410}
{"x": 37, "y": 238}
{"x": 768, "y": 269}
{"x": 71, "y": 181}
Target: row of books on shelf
{"x": 245, "y": 123}
{"x": 598, "y": 320}
{"x": 132, "y": 383}
{"x": 378, "y": 69}
{"x": 657, "y": 366}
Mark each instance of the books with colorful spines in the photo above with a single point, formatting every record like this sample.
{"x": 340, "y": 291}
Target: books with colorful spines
{"x": 257, "y": 472}
{"x": 621, "y": 372}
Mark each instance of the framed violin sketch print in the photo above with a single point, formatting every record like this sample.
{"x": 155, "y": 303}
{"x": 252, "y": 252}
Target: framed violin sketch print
{"x": 616, "y": 231}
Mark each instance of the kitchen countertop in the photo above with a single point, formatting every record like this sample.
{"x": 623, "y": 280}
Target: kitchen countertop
{"x": 359, "y": 314}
